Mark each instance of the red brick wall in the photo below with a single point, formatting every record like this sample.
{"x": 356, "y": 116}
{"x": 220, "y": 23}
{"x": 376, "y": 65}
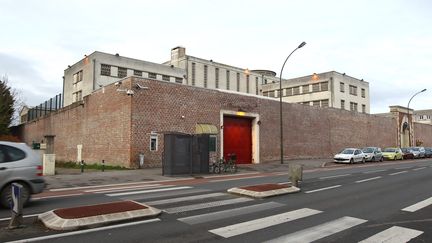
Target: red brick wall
{"x": 101, "y": 125}
{"x": 423, "y": 133}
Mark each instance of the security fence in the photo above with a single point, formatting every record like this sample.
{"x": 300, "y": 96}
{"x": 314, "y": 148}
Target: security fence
{"x": 45, "y": 108}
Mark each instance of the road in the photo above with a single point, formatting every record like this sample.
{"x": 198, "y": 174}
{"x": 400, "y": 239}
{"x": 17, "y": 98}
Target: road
{"x": 347, "y": 204}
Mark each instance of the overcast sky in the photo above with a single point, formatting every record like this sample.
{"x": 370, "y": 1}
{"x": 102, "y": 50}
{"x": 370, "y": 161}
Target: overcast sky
{"x": 387, "y": 42}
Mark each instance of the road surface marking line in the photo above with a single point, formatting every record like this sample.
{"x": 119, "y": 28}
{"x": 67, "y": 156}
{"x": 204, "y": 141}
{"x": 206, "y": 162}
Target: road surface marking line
{"x": 187, "y": 198}
{"x": 369, "y": 179}
{"x": 25, "y": 216}
{"x": 132, "y": 189}
{"x": 155, "y": 196}
{"x": 321, "y": 231}
{"x": 397, "y": 173}
{"x": 421, "y": 168}
{"x": 148, "y": 191}
{"x": 403, "y": 168}
{"x": 336, "y": 176}
{"x": 57, "y": 196}
{"x": 208, "y": 217}
{"x": 84, "y": 231}
{"x": 234, "y": 179}
{"x": 239, "y": 174}
{"x": 207, "y": 205}
{"x": 122, "y": 188}
{"x": 393, "y": 234}
{"x": 322, "y": 189}
{"x": 418, "y": 205}
{"x": 257, "y": 224}
{"x": 373, "y": 171}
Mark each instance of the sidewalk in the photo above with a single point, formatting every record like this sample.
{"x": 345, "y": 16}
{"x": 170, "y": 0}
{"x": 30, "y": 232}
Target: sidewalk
{"x": 66, "y": 177}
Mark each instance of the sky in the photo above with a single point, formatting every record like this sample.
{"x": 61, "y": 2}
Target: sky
{"x": 388, "y": 43}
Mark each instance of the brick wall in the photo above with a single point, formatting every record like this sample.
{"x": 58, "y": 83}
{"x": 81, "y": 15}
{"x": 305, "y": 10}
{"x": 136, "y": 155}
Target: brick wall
{"x": 423, "y": 133}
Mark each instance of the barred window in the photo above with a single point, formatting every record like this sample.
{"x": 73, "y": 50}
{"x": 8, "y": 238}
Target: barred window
{"x": 165, "y": 78}
{"x": 152, "y": 75}
{"x": 296, "y": 90}
{"x": 205, "y": 76}
{"x": 178, "y": 80}
{"x": 217, "y": 78}
{"x": 324, "y": 103}
{"x": 289, "y": 92}
{"x": 305, "y": 89}
{"x": 256, "y": 85}
{"x": 193, "y": 73}
{"x": 342, "y": 87}
{"x": 227, "y": 79}
{"x": 238, "y": 81}
{"x": 122, "y": 72}
{"x": 77, "y": 77}
{"x": 138, "y": 73}
{"x": 353, "y": 90}
{"x": 364, "y": 108}
{"x": 343, "y": 104}
{"x": 247, "y": 83}
{"x": 266, "y": 93}
{"x": 324, "y": 86}
{"x": 353, "y": 106}
{"x": 363, "y": 93}
{"x": 105, "y": 70}
{"x": 315, "y": 87}
{"x": 316, "y": 103}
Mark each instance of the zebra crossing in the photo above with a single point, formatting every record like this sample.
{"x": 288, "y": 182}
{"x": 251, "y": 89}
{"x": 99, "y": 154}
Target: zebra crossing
{"x": 210, "y": 209}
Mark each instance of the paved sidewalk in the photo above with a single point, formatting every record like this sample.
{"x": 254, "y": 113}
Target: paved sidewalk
{"x": 66, "y": 177}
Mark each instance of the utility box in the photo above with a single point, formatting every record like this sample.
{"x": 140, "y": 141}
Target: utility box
{"x": 141, "y": 160}
{"x": 295, "y": 174}
{"x": 49, "y": 164}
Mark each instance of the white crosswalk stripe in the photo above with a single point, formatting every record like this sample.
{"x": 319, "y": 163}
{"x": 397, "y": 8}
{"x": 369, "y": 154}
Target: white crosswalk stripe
{"x": 249, "y": 226}
{"x": 394, "y": 234}
{"x": 207, "y": 205}
{"x": 185, "y": 199}
{"x": 147, "y": 191}
{"x": 418, "y": 205}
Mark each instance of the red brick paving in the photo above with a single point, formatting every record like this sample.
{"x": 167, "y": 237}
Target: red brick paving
{"x": 99, "y": 209}
{"x": 265, "y": 187}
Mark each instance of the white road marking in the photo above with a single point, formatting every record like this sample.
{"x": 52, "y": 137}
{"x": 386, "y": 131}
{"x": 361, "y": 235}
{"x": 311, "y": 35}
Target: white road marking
{"x": 239, "y": 174}
{"x": 25, "y": 216}
{"x": 373, "y": 171}
{"x": 184, "y": 199}
{"x": 257, "y": 224}
{"x": 132, "y": 189}
{"x": 207, "y": 205}
{"x": 421, "y": 168}
{"x": 322, "y": 189}
{"x": 208, "y": 217}
{"x": 148, "y": 191}
{"x": 122, "y": 188}
{"x": 403, "y": 168}
{"x": 393, "y": 234}
{"x": 369, "y": 179}
{"x": 84, "y": 231}
{"x": 336, "y": 176}
{"x": 321, "y": 231}
{"x": 418, "y": 205}
{"x": 397, "y": 173}
{"x": 56, "y": 196}
{"x": 241, "y": 178}
{"x": 154, "y": 196}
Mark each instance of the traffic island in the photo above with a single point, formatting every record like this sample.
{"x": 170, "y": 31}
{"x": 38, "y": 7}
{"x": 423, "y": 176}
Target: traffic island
{"x": 264, "y": 190}
{"x": 96, "y": 215}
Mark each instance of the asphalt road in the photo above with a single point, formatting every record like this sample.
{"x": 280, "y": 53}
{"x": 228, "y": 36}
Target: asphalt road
{"x": 348, "y": 204}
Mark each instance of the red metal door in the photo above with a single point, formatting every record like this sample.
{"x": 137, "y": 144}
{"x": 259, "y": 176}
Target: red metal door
{"x": 237, "y": 138}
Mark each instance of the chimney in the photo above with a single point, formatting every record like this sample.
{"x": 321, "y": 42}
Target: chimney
{"x": 177, "y": 53}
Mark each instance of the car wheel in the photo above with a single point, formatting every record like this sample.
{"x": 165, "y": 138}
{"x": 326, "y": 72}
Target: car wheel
{"x": 351, "y": 161}
{"x": 373, "y": 159}
{"x": 6, "y": 195}
{"x": 395, "y": 158}
{"x": 363, "y": 160}
{"x": 381, "y": 159}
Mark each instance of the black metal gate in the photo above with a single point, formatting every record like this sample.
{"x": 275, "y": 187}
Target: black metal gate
{"x": 185, "y": 154}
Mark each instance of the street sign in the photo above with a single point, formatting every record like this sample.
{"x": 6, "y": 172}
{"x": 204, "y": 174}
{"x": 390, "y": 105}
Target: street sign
{"x": 17, "y": 206}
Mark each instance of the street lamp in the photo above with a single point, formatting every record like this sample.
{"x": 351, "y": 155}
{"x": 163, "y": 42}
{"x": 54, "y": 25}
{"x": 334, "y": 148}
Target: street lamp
{"x": 407, "y": 123}
{"x": 280, "y": 101}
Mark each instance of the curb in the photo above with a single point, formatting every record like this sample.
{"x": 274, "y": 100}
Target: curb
{"x": 244, "y": 191}
{"x": 53, "y": 221}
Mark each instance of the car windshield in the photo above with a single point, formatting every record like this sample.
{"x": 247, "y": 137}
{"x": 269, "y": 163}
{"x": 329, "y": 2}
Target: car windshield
{"x": 405, "y": 150}
{"x": 392, "y": 150}
{"x": 368, "y": 150}
{"x": 347, "y": 151}
{"x": 415, "y": 149}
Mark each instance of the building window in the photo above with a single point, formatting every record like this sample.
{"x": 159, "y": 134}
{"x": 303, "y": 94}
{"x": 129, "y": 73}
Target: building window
{"x": 353, "y": 90}
{"x": 122, "y": 72}
{"x": 324, "y": 86}
{"x": 316, "y": 103}
{"x": 364, "y": 108}
{"x": 138, "y": 73}
{"x": 247, "y": 83}
{"x": 205, "y": 76}
{"x": 289, "y": 92}
{"x": 256, "y": 85}
{"x": 152, "y": 75}
{"x": 363, "y": 93}
{"x": 105, "y": 70}
{"x": 272, "y": 93}
{"x": 193, "y": 74}
{"x": 324, "y": 103}
{"x": 296, "y": 90}
{"x": 153, "y": 142}
{"x": 238, "y": 81}
{"x": 353, "y": 106}
{"x": 315, "y": 87}
{"x": 305, "y": 89}
{"x": 178, "y": 80}
{"x": 306, "y": 103}
{"x": 227, "y": 79}
{"x": 217, "y": 78}
{"x": 77, "y": 77}
{"x": 342, "y": 87}
{"x": 212, "y": 143}
{"x": 165, "y": 78}
{"x": 77, "y": 96}
{"x": 265, "y": 93}
{"x": 343, "y": 104}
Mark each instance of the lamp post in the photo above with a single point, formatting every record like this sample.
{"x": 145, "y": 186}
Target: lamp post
{"x": 280, "y": 101}
{"x": 408, "y": 125}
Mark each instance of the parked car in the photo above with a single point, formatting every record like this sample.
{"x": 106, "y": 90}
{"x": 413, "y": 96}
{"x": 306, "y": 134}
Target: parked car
{"x": 350, "y": 155}
{"x": 392, "y": 153}
{"x": 373, "y": 154}
{"x": 428, "y": 152}
{"x": 20, "y": 164}
{"x": 419, "y": 152}
{"x": 407, "y": 153}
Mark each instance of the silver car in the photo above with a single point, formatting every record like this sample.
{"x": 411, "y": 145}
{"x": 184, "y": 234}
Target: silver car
{"x": 20, "y": 164}
{"x": 373, "y": 154}
{"x": 350, "y": 155}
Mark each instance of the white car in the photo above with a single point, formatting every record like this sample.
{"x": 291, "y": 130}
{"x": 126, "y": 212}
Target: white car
{"x": 350, "y": 155}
